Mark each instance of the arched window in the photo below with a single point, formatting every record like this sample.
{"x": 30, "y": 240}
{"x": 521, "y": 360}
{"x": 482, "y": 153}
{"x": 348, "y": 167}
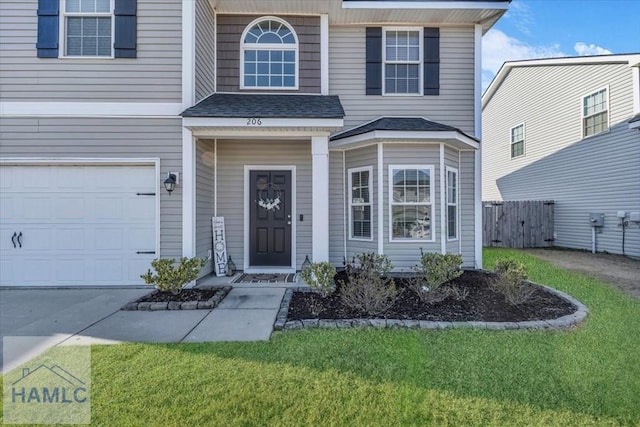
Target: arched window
{"x": 269, "y": 55}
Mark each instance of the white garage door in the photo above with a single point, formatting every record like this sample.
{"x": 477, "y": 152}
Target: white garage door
{"x": 76, "y": 225}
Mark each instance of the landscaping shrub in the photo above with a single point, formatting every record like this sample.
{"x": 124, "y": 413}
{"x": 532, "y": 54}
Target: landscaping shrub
{"x": 319, "y": 275}
{"x": 433, "y": 272}
{"x": 510, "y": 281}
{"x": 171, "y": 276}
{"x": 367, "y": 287}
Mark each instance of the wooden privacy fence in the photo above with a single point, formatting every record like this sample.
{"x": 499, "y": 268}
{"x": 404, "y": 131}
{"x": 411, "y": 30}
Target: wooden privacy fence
{"x": 518, "y": 224}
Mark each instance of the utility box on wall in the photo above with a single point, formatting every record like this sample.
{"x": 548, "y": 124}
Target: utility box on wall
{"x": 596, "y": 219}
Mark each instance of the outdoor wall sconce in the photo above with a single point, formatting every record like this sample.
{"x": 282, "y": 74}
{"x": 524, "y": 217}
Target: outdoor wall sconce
{"x": 171, "y": 181}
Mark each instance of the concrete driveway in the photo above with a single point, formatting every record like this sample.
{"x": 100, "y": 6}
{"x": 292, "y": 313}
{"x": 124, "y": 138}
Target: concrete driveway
{"x": 92, "y": 316}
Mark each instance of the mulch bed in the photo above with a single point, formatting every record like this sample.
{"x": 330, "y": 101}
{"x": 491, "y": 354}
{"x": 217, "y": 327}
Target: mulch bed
{"x": 183, "y": 296}
{"x": 186, "y": 299}
{"x": 481, "y": 304}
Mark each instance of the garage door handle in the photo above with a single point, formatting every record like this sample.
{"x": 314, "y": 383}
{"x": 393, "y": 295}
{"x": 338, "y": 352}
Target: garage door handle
{"x": 20, "y": 237}
{"x": 13, "y": 238}
{"x": 145, "y": 252}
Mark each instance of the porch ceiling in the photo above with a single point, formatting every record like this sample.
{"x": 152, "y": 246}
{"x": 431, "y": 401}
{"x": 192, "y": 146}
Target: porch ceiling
{"x": 447, "y": 12}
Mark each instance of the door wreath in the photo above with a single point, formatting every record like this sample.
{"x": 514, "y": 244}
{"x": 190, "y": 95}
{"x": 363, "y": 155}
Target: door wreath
{"x": 270, "y": 204}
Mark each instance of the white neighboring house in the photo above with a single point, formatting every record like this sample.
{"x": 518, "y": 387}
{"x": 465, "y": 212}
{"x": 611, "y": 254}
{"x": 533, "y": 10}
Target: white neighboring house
{"x": 568, "y": 130}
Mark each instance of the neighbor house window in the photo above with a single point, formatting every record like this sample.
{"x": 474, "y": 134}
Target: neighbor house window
{"x": 595, "y": 113}
{"x": 360, "y": 184}
{"x": 88, "y": 27}
{"x": 402, "y": 61}
{"x": 269, "y": 55}
{"x": 410, "y": 202}
{"x": 452, "y": 203}
{"x": 517, "y": 141}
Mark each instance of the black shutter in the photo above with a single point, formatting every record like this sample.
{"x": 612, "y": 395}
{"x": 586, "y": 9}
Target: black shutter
{"x": 126, "y": 28}
{"x": 432, "y": 61}
{"x": 374, "y": 61}
{"x": 48, "y": 22}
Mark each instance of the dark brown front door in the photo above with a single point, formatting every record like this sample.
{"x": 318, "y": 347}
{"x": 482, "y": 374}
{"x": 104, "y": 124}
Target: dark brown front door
{"x": 270, "y": 218}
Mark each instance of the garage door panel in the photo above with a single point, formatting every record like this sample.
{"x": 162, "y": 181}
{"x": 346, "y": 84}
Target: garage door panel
{"x": 81, "y": 225}
{"x": 36, "y": 207}
{"x": 108, "y": 208}
{"x": 71, "y": 271}
{"x": 66, "y": 208}
{"x": 36, "y": 271}
{"x": 72, "y": 239}
{"x": 109, "y": 270}
{"x": 36, "y": 178}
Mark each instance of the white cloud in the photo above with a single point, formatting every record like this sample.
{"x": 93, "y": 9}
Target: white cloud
{"x": 498, "y": 47}
{"x": 583, "y": 49}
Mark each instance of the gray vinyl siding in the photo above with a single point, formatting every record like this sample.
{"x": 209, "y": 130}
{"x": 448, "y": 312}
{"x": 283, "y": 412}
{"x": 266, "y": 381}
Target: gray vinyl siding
{"x": 467, "y": 208}
{"x": 406, "y": 254}
{"x": 454, "y": 106}
{"x": 205, "y": 50}
{"x": 595, "y": 174}
{"x": 233, "y": 155}
{"x": 229, "y": 31}
{"x": 154, "y": 76}
{"x": 204, "y": 201}
{"x": 337, "y": 208}
{"x": 451, "y": 159}
{"x": 106, "y": 138}
{"x": 357, "y": 158}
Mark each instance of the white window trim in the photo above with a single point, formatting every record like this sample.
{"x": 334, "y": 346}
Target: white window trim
{"x": 430, "y": 204}
{"x": 350, "y": 172}
{"x": 511, "y": 141}
{"x": 62, "y": 30}
{"x": 420, "y": 60}
{"x": 582, "y": 116}
{"x": 456, "y": 204}
{"x": 244, "y": 46}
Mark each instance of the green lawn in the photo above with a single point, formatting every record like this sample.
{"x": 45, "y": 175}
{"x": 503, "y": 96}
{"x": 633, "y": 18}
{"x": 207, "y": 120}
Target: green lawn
{"x": 590, "y": 376}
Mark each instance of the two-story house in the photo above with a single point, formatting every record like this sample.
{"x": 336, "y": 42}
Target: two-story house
{"x": 314, "y": 128}
{"x": 568, "y": 130}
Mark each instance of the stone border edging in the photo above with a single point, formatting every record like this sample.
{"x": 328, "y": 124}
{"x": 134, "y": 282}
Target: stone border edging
{"x": 177, "y": 305}
{"x": 565, "y": 322}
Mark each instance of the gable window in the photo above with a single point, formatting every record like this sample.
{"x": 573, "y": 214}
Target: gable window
{"x": 410, "y": 203}
{"x": 517, "y": 141}
{"x": 595, "y": 113}
{"x": 269, "y": 55}
{"x": 360, "y": 203}
{"x": 402, "y": 60}
{"x": 452, "y": 203}
{"x": 88, "y": 28}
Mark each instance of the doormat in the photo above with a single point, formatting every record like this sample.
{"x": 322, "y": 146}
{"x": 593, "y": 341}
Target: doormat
{"x": 266, "y": 278}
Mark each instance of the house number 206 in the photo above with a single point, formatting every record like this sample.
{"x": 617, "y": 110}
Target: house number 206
{"x": 254, "y": 121}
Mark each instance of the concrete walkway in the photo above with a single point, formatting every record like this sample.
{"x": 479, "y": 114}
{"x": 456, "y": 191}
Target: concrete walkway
{"x": 92, "y": 316}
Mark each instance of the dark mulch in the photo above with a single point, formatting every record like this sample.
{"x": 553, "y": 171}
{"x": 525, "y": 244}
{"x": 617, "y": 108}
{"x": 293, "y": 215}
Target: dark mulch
{"x": 183, "y": 296}
{"x": 482, "y": 304}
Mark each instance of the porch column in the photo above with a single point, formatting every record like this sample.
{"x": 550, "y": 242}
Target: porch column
{"x": 188, "y": 183}
{"x": 320, "y": 198}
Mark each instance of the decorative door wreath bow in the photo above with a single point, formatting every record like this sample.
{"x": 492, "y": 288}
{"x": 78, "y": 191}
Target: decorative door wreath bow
{"x": 267, "y": 203}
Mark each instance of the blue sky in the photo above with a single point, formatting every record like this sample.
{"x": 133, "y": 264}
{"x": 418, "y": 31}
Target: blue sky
{"x": 551, "y": 28}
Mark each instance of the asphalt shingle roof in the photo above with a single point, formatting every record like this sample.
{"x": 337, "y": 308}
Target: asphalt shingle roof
{"x": 406, "y": 124}
{"x": 234, "y": 105}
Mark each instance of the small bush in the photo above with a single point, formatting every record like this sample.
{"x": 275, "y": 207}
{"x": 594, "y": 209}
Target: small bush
{"x": 366, "y": 288}
{"x": 319, "y": 275}
{"x": 433, "y": 272}
{"x": 510, "y": 281}
{"x": 171, "y": 276}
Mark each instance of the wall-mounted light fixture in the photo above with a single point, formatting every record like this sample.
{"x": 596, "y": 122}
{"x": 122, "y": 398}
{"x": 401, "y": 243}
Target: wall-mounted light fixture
{"x": 173, "y": 179}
